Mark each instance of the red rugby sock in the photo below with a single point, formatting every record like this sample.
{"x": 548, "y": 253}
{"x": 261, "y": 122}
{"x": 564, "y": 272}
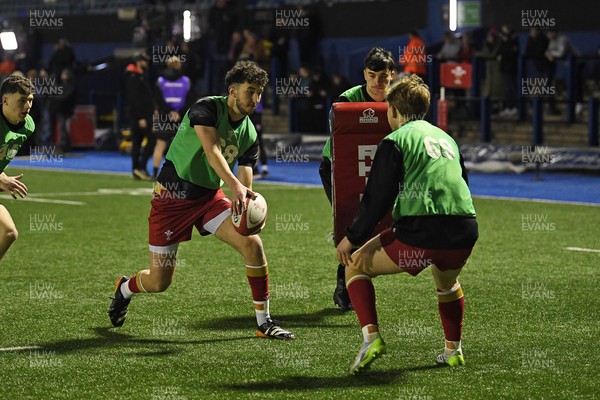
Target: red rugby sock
{"x": 362, "y": 295}
{"x": 451, "y": 306}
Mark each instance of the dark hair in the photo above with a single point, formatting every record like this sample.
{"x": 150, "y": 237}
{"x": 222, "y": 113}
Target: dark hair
{"x": 17, "y": 84}
{"x": 379, "y": 59}
{"x": 410, "y": 95}
{"x": 415, "y": 33}
{"x": 246, "y": 71}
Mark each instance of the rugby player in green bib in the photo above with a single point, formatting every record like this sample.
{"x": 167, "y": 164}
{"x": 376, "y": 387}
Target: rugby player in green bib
{"x": 417, "y": 170}
{"x": 16, "y": 125}
{"x": 378, "y": 73}
{"x": 214, "y": 134}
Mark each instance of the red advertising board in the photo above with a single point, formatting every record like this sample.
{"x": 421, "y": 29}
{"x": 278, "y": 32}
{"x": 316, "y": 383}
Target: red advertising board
{"x": 83, "y": 125}
{"x": 455, "y": 76}
{"x": 358, "y": 129}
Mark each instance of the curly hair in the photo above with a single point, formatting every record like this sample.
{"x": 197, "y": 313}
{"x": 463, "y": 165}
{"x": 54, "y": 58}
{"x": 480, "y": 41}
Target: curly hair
{"x": 246, "y": 71}
{"x": 410, "y": 96}
{"x": 17, "y": 84}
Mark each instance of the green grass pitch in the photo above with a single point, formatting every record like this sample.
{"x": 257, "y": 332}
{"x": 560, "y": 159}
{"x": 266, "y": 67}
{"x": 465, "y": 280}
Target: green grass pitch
{"x": 531, "y": 327}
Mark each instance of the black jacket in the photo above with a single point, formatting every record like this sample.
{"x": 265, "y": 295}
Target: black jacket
{"x": 138, "y": 95}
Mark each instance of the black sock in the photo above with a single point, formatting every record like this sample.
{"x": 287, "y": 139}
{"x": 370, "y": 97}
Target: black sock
{"x": 155, "y": 171}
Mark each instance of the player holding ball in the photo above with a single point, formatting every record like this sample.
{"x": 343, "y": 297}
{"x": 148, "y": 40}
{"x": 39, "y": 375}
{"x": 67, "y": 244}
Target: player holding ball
{"x": 214, "y": 134}
{"x": 418, "y": 169}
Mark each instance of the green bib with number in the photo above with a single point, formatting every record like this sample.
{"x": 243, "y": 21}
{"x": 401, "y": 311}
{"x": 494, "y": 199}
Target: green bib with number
{"x": 433, "y": 182}
{"x": 12, "y": 140}
{"x": 189, "y": 158}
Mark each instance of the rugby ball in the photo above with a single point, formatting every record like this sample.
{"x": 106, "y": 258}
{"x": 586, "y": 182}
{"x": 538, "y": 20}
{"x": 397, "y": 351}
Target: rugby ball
{"x": 253, "y": 218}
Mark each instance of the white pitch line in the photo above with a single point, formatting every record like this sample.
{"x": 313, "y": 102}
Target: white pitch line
{"x": 582, "y": 249}
{"x": 41, "y": 200}
{"x": 533, "y": 200}
{"x": 19, "y": 348}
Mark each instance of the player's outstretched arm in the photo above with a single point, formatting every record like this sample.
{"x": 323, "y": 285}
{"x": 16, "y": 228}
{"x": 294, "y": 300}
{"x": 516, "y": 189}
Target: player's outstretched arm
{"x": 209, "y": 138}
{"x": 13, "y": 185}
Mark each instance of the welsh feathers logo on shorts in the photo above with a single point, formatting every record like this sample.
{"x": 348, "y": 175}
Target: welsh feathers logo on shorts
{"x": 368, "y": 117}
{"x": 168, "y": 234}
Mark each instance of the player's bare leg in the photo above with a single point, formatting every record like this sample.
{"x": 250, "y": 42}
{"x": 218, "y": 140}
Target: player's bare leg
{"x": 257, "y": 272}
{"x": 157, "y": 156}
{"x": 451, "y": 305}
{"x": 8, "y": 231}
{"x": 368, "y": 262}
{"x": 153, "y": 280}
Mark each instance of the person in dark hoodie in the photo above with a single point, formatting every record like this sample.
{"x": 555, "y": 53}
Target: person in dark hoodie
{"x": 141, "y": 107}
{"x": 65, "y": 108}
{"x": 175, "y": 96}
{"x": 508, "y": 55}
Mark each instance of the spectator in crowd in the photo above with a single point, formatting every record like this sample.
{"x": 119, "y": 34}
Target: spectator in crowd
{"x": 467, "y": 51}
{"x": 450, "y": 50}
{"x": 175, "y": 97}
{"x": 308, "y": 39}
{"x": 414, "y": 59}
{"x": 48, "y": 119}
{"x": 303, "y": 102}
{"x": 65, "y": 107}
{"x": 317, "y": 93}
{"x": 62, "y": 58}
{"x": 339, "y": 84}
{"x": 222, "y": 22}
{"x": 140, "y": 34}
{"x": 280, "y": 39}
{"x": 192, "y": 65}
{"x": 508, "y": 55}
{"x": 253, "y": 49}
{"x": 141, "y": 107}
{"x": 7, "y": 66}
{"x": 535, "y": 52}
{"x": 559, "y": 48}
{"x": 36, "y": 109}
{"x": 492, "y": 85}
{"x": 256, "y": 119}
{"x": 236, "y": 47}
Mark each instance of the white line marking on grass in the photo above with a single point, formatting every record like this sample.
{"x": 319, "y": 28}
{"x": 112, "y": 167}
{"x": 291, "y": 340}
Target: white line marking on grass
{"x": 576, "y": 203}
{"x": 287, "y": 184}
{"x": 582, "y": 249}
{"x": 19, "y": 348}
{"x": 42, "y": 200}
{"x": 75, "y": 171}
